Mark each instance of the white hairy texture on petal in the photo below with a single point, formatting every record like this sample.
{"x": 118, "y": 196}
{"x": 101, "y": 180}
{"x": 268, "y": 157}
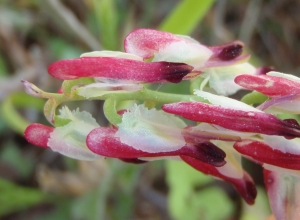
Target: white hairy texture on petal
{"x": 193, "y": 54}
{"x": 100, "y": 89}
{"x": 150, "y": 130}
{"x": 77, "y": 115}
{"x": 108, "y": 53}
{"x": 282, "y": 144}
{"x": 69, "y": 140}
{"x": 222, "y": 78}
{"x": 233, "y": 167}
{"x": 284, "y": 75}
{"x": 225, "y": 101}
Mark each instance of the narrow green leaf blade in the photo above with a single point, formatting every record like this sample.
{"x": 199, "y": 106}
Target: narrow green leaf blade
{"x": 185, "y": 17}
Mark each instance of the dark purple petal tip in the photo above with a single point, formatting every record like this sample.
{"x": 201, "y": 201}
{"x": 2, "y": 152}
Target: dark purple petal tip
{"x": 212, "y": 154}
{"x": 230, "y": 52}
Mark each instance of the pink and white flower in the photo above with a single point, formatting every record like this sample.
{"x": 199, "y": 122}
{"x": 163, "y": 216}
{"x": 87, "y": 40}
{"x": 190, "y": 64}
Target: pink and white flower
{"x": 283, "y": 89}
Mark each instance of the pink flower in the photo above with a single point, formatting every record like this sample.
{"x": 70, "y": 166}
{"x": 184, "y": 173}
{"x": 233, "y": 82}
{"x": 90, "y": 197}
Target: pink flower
{"x": 164, "y": 46}
{"x": 68, "y": 139}
{"x": 283, "y": 89}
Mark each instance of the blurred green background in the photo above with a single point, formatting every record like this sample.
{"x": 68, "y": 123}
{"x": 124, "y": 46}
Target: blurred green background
{"x": 40, "y": 184}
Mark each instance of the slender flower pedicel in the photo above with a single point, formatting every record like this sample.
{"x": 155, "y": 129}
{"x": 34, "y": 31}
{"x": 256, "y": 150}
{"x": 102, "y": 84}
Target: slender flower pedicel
{"x": 208, "y": 131}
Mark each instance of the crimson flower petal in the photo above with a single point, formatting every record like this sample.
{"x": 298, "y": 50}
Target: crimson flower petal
{"x": 245, "y": 185}
{"x": 266, "y": 154}
{"x": 103, "y": 142}
{"x": 119, "y": 68}
{"x": 38, "y": 134}
{"x": 238, "y": 120}
{"x": 269, "y": 85}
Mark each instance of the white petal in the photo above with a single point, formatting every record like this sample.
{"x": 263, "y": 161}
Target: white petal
{"x": 224, "y": 101}
{"x": 284, "y": 75}
{"x": 282, "y": 144}
{"x": 100, "y": 89}
{"x": 150, "y": 130}
{"x": 108, "y": 53}
{"x": 69, "y": 140}
{"x": 233, "y": 167}
{"x": 222, "y": 78}
{"x": 76, "y": 115}
{"x": 193, "y": 54}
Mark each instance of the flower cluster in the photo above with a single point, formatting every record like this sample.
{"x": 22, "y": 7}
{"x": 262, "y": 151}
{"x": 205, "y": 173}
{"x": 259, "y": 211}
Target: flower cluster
{"x": 205, "y": 129}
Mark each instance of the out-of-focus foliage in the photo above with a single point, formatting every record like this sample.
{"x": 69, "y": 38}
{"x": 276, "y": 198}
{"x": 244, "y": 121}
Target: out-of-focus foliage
{"x": 192, "y": 194}
{"x": 34, "y": 34}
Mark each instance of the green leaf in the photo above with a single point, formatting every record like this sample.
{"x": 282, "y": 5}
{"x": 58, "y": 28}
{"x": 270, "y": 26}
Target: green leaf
{"x": 12, "y": 117}
{"x": 62, "y": 49}
{"x": 107, "y": 18}
{"x": 10, "y": 114}
{"x": 15, "y": 198}
{"x": 185, "y": 202}
{"x": 185, "y": 17}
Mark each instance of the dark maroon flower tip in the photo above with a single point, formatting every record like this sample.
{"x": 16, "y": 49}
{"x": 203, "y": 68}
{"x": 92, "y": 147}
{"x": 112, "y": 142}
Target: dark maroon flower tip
{"x": 38, "y": 134}
{"x": 245, "y": 185}
{"x": 264, "y": 153}
{"x": 230, "y": 52}
{"x": 120, "y": 69}
{"x": 211, "y": 154}
{"x": 133, "y": 160}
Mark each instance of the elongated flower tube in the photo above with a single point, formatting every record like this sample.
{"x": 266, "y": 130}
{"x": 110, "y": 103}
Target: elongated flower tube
{"x": 284, "y": 90}
{"x": 232, "y": 114}
{"x": 119, "y": 68}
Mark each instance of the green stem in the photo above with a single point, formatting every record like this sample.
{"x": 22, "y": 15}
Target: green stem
{"x": 110, "y": 111}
